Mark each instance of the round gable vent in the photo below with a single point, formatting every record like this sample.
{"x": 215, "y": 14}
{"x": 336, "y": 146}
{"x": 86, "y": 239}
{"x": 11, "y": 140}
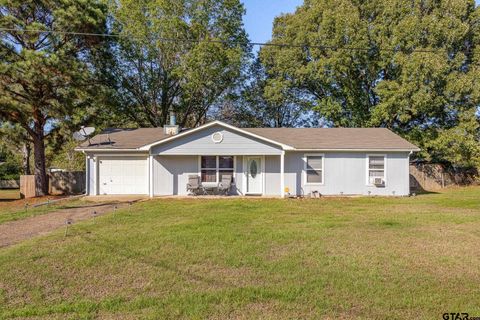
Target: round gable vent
{"x": 217, "y": 137}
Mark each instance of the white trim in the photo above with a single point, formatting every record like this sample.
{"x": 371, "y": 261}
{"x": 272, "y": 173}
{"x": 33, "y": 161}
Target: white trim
{"x": 367, "y": 160}
{"x": 96, "y": 182}
{"x": 150, "y": 176}
{"x": 93, "y": 150}
{"x": 358, "y": 149}
{"x": 288, "y": 148}
{"x": 217, "y": 167}
{"x": 221, "y": 137}
{"x": 87, "y": 172}
{"x": 210, "y": 124}
{"x": 245, "y": 174}
{"x": 131, "y": 154}
{"x": 304, "y": 171}
{"x": 282, "y": 174}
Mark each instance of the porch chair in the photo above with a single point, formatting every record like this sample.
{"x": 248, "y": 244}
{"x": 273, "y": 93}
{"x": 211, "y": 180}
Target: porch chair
{"x": 225, "y": 185}
{"x": 194, "y": 186}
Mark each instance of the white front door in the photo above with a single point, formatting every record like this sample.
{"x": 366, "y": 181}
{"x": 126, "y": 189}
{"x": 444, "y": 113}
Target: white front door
{"x": 254, "y": 175}
{"x": 123, "y": 175}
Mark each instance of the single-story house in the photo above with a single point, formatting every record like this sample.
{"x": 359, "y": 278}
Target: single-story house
{"x": 262, "y": 161}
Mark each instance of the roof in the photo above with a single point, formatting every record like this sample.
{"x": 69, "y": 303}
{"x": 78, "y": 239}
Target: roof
{"x": 335, "y": 138}
{"x": 124, "y": 138}
{"x": 294, "y": 138}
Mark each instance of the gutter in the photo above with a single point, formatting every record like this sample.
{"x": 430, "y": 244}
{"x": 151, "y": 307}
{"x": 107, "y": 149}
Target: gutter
{"x": 361, "y": 150}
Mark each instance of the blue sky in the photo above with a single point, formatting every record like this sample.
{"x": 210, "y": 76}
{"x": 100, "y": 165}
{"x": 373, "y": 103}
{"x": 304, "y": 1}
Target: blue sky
{"x": 260, "y": 14}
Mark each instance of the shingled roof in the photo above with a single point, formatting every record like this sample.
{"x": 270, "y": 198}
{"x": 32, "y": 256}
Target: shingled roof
{"x": 297, "y": 138}
{"x": 335, "y": 138}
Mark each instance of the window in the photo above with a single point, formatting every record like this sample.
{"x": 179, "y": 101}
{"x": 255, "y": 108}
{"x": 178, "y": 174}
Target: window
{"x": 376, "y": 169}
{"x": 209, "y": 168}
{"x": 212, "y": 168}
{"x": 314, "y": 169}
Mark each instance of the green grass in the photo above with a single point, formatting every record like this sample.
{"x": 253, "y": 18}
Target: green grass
{"x": 370, "y": 258}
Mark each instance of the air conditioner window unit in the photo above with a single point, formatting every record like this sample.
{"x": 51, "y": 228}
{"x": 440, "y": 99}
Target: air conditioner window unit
{"x": 378, "y": 182}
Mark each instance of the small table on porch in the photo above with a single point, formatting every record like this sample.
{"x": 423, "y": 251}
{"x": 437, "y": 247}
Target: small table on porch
{"x": 212, "y": 189}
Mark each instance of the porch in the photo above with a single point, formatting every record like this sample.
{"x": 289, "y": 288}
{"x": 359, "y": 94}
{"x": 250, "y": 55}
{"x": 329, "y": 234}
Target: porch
{"x": 207, "y": 175}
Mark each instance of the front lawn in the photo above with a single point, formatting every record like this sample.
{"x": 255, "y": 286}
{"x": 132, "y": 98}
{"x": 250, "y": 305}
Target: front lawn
{"x": 371, "y": 258}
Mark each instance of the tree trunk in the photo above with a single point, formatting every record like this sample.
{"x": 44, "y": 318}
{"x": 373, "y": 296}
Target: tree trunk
{"x": 26, "y": 158}
{"x": 41, "y": 182}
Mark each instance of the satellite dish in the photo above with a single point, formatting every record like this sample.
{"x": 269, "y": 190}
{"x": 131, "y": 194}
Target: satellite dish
{"x": 87, "y": 130}
{"x": 83, "y": 134}
{"x": 78, "y": 136}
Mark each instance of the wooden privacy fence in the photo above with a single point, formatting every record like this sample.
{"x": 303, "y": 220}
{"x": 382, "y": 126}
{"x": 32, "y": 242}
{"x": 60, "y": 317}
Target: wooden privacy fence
{"x": 27, "y": 186}
{"x": 66, "y": 182}
{"x": 432, "y": 176}
{"x": 70, "y": 182}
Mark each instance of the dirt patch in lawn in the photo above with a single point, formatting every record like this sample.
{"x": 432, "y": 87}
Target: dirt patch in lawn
{"x": 12, "y": 204}
{"x": 16, "y": 231}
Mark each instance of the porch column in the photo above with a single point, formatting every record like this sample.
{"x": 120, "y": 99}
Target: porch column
{"x": 150, "y": 176}
{"x": 96, "y": 185}
{"x": 87, "y": 174}
{"x": 282, "y": 174}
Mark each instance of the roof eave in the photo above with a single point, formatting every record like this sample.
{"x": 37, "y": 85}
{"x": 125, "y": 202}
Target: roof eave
{"x": 361, "y": 149}
{"x": 106, "y": 149}
{"x": 147, "y": 147}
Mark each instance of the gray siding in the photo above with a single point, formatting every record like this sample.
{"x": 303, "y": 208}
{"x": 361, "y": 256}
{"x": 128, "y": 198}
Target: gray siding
{"x": 238, "y": 189}
{"x": 272, "y": 176}
{"x": 343, "y": 172}
{"x": 170, "y": 174}
{"x": 200, "y": 143}
{"x": 346, "y": 172}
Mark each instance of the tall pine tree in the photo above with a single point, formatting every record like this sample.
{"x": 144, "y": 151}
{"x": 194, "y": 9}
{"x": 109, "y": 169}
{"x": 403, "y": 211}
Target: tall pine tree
{"x": 46, "y": 74}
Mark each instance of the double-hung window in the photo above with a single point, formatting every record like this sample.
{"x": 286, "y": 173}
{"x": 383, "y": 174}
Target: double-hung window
{"x": 376, "y": 169}
{"x": 314, "y": 169}
{"x": 212, "y": 168}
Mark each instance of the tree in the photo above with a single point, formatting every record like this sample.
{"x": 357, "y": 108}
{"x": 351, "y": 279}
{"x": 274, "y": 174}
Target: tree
{"x": 180, "y": 55}
{"x": 17, "y": 141}
{"x": 365, "y": 63}
{"x": 46, "y": 75}
{"x": 261, "y": 103}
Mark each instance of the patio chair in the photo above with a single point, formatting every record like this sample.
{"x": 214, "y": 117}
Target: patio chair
{"x": 194, "y": 186}
{"x": 225, "y": 185}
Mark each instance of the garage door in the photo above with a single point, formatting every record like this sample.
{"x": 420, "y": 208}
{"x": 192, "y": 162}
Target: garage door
{"x": 123, "y": 175}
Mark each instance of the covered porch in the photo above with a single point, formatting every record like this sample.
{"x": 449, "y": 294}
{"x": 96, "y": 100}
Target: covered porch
{"x": 206, "y": 175}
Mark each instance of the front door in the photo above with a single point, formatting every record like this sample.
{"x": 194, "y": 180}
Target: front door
{"x": 254, "y": 175}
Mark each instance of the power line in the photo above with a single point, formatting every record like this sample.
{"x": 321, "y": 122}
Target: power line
{"x": 261, "y": 44}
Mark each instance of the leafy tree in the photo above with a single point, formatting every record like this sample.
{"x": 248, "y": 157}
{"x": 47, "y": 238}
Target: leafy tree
{"x": 15, "y": 140}
{"x": 158, "y": 71}
{"x": 264, "y": 102}
{"x": 46, "y": 77}
{"x": 340, "y": 66}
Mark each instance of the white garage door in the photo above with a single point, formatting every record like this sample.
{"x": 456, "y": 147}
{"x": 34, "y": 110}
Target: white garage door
{"x": 123, "y": 175}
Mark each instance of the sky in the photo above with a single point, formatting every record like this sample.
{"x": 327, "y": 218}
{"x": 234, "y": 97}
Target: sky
{"x": 260, "y": 14}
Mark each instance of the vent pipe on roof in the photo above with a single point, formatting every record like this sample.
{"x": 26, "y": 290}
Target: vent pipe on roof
{"x": 172, "y": 128}
{"x": 173, "y": 117}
